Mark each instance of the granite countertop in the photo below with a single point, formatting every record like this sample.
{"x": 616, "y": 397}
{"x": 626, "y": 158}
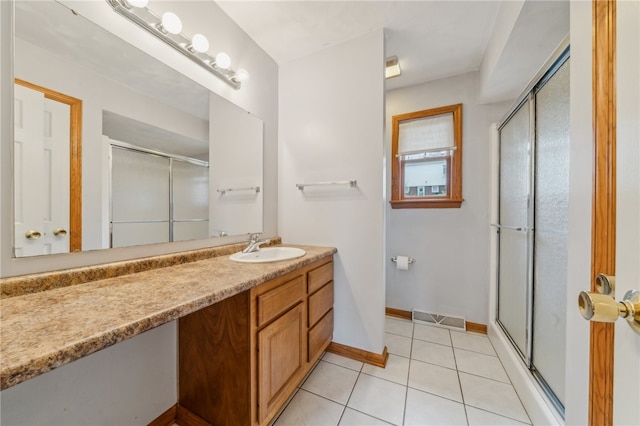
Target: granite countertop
{"x": 47, "y": 329}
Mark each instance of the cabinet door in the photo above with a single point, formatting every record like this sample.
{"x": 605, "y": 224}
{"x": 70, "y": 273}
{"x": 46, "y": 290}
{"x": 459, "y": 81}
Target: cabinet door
{"x": 280, "y": 359}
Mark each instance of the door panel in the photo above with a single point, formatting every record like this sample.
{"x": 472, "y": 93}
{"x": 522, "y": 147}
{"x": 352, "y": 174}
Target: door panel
{"x": 626, "y": 389}
{"x": 57, "y": 133}
{"x": 41, "y": 162}
{"x": 29, "y": 179}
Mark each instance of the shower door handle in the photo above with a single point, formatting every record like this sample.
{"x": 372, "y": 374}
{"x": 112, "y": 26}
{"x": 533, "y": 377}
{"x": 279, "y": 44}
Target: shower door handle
{"x": 601, "y": 307}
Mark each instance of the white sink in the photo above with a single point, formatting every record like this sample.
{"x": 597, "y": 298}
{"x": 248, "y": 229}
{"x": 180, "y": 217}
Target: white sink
{"x": 268, "y": 254}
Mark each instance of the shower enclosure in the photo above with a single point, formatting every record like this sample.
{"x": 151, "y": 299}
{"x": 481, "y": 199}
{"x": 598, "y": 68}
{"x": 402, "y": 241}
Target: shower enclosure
{"x": 156, "y": 197}
{"x": 532, "y": 228}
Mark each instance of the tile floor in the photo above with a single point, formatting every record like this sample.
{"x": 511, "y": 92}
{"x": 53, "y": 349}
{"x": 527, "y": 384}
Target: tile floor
{"x": 433, "y": 377}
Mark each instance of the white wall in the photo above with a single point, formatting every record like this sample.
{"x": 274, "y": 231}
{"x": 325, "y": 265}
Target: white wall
{"x": 450, "y": 246}
{"x": 134, "y": 381}
{"x": 130, "y": 383}
{"x": 331, "y": 129}
{"x": 235, "y": 162}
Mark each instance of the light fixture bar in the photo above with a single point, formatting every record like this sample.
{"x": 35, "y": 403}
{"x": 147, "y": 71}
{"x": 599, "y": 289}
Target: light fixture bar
{"x": 152, "y": 23}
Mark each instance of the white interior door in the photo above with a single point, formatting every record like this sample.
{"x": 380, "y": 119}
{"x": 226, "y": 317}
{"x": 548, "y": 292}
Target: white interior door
{"x": 626, "y": 392}
{"x": 41, "y": 162}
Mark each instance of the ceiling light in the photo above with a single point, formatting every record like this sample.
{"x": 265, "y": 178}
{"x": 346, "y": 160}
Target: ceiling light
{"x": 199, "y": 43}
{"x": 169, "y": 30}
{"x": 171, "y": 23}
{"x": 392, "y": 68}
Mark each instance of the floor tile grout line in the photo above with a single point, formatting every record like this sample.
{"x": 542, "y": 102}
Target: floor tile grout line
{"x": 343, "y": 366}
{"x": 484, "y": 377}
{"x": 511, "y": 382}
{"x": 406, "y": 390}
{"x": 498, "y": 414}
{"x": 464, "y": 405}
{"x": 368, "y": 415}
{"x": 434, "y": 394}
{"x": 494, "y": 355}
{"x": 353, "y": 388}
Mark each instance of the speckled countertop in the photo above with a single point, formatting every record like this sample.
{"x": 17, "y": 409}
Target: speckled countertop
{"x": 47, "y": 329}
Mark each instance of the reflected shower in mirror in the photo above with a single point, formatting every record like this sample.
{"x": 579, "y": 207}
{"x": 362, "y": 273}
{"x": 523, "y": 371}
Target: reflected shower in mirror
{"x": 124, "y": 95}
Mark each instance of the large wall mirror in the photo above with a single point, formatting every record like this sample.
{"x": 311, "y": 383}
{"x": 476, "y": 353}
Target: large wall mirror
{"x": 113, "y": 148}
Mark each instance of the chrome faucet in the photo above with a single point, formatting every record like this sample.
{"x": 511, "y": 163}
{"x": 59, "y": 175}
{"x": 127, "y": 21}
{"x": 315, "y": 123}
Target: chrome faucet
{"x": 254, "y": 243}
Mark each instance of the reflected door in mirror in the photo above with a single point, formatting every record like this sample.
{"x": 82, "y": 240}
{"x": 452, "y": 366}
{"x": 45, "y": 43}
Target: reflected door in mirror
{"x": 41, "y": 179}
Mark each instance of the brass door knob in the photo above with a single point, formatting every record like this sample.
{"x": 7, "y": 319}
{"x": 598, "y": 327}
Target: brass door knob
{"x": 59, "y": 232}
{"x": 32, "y": 234}
{"x": 604, "y": 308}
{"x": 606, "y": 284}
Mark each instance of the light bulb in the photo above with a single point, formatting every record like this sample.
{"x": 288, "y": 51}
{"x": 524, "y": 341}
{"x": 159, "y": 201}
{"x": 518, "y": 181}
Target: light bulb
{"x": 138, "y": 3}
{"x": 223, "y": 60}
{"x": 171, "y": 23}
{"x": 199, "y": 43}
{"x": 241, "y": 75}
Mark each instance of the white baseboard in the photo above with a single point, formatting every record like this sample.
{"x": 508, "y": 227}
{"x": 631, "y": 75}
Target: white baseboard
{"x": 538, "y": 406}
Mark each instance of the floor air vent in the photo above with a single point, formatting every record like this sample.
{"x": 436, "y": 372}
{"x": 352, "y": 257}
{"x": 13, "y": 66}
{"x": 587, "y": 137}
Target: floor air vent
{"x": 439, "y": 320}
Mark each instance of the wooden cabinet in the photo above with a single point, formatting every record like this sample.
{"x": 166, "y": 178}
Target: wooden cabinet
{"x": 242, "y": 358}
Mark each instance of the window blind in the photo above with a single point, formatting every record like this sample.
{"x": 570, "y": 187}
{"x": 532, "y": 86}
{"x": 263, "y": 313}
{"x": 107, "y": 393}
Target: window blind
{"x": 427, "y": 134}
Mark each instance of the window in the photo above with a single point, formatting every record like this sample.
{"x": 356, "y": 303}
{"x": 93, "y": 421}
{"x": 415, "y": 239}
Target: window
{"x": 426, "y": 170}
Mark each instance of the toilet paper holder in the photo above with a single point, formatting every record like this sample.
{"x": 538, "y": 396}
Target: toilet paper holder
{"x": 411, "y": 260}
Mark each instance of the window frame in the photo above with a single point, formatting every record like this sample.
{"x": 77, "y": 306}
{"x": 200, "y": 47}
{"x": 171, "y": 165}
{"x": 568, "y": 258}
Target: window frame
{"x": 453, "y": 199}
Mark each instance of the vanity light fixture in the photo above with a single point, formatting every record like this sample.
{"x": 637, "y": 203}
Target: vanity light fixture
{"x": 392, "y": 67}
{"x": 170, "y": 23}
{"x": 222, "y": 61}
{"x": 168, "y": 28}
{"x": 240, "y": 75}
{"x": 199, "y": 43}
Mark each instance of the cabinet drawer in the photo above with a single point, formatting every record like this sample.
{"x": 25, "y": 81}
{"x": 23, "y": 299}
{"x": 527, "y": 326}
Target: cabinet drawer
{"x": 320, "y": 302}
{"x": 320, "y": 335}
{"x": 279, "y": 300}
{"x": 319, "y": 277}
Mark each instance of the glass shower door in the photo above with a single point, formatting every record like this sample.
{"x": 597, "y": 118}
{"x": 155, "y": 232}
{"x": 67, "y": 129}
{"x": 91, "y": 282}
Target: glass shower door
{"x": 533, "y": 229}
{"x": 551, "y": 233}
{"x": 513, "y": 228}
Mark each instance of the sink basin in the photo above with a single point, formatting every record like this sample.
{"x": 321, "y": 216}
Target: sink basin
{"x": 268, "y": 254}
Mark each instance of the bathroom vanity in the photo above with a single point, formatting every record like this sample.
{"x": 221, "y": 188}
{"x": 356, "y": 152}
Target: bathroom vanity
{"x": 242, "y": 358}
{"x": 247, "y": 333}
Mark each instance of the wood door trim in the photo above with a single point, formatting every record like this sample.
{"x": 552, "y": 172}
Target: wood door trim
{"x": 603, "y": 235}
{"x": 75, "y": 157}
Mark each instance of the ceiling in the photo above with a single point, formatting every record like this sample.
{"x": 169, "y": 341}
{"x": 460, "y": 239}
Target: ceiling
{"x": 432, "y": 39}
